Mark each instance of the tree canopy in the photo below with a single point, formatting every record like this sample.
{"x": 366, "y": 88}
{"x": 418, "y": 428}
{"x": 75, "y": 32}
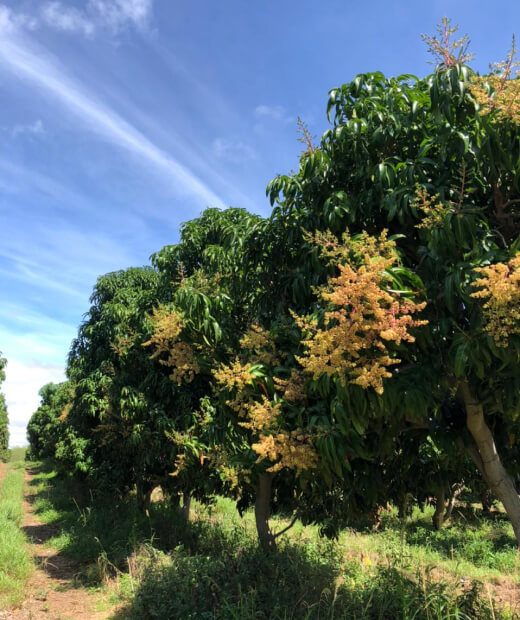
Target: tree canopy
{"x": 361, "y": 345}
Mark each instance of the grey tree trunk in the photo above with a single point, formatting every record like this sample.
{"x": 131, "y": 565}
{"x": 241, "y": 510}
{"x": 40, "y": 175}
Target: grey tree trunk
{"x": 499, "y": 481}
{"x": 455, "y": 492}
{"x": 186, "y": 502}
{"x": 486, "y": 501}
{"x": 438, "y": 515}
{"x": 263, "y": 512}
{"x": 143, "y": 496}
{"x": 403, "y": 506}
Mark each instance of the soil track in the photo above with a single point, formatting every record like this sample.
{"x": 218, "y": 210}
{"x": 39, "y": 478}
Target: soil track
{"x": 3, "y": 468}
{"x": 52, "y": 591}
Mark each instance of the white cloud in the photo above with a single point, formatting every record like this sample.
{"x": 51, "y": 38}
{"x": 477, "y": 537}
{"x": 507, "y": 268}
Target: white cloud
{"x": 25, "y": 336}
{"x": 47, "y": 74}
{"x": 32, "y": 129}
{"x": 68, "y": 19}
{"x": 236, "y": 152}
{"x": 5, "y": 19}
{"x": 116, "y": 14}
{"x": 274, "y": 112}
{"x": 112, "y": 15}
{"x": 21, "y": 387}
{"x": 10, "y": 21}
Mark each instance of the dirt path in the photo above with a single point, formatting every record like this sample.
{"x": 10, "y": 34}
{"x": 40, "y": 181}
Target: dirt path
{"x": 51, "y": 591}
{"x": 3, "y": 469}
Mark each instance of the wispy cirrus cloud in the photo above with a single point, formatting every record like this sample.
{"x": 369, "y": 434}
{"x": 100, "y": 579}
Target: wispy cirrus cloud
{"x": 47, "y": 74}
{"x": 116, "y": 14}
{"x": 11, "y": 20}
{"x": 96, "y": 15}
{"x": 68, "y": 19}
{"x": 273, "y": 112}
{"x": 234, "y": 151}
{"x": 31, "y": 129}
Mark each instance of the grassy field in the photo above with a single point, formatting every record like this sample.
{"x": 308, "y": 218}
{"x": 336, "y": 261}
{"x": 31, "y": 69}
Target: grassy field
{"x": 212, "y": 568}
{"x": 15, "y": 563}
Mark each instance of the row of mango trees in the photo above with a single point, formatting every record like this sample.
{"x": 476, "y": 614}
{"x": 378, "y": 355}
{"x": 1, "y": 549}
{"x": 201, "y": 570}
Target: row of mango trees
{"x": 359, "y": 346}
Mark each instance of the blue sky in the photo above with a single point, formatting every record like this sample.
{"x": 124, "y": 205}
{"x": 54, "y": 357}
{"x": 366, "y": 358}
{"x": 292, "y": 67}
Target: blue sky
{"x": 120, "y": 119}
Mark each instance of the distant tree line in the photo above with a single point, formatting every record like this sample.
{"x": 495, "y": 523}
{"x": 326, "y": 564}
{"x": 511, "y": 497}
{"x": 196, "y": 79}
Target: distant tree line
{"x": 4, "y": 420}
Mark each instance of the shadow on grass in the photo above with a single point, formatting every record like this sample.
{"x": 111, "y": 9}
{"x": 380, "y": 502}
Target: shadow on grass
{"x": 211, "y": 569}
{"x": 59, "y": 567}
{"x": 295, "y": 583}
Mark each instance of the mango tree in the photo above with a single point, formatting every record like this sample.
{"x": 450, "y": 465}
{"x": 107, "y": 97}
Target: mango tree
{"x": 46, "y": 428}
{"x": 428, "y": 161}
{"x": 206, "y": 297}
{"x": 123, "y": 406}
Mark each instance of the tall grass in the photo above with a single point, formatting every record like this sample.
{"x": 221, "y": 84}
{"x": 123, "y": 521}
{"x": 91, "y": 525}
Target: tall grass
{"x": 15, "y": 563}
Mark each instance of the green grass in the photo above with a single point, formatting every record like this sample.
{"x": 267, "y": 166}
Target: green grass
{"x": 15, "y": 563}
{"x": 213, "y": 568}
{"x": 17, "y": 454}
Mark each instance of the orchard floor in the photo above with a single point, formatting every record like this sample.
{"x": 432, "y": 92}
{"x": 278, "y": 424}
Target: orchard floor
{"x": 52, "y": 591}
{"x": 136, "y": 566}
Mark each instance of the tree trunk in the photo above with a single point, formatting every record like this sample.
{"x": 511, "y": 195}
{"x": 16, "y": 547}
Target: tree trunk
{"x": 403, "y": 506}
{"x": 500, "y": 482}
{"x": 438, "y": 516}
{"x": 486, "y": 501}
{"x": 455, "y": 492}
{"x": 143, "y": 496}
{"x": 263, "y": 512}
{"x": 186, "y": 501}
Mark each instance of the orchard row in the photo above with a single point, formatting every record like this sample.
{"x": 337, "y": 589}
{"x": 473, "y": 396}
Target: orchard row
{"x": 359, "y": 346}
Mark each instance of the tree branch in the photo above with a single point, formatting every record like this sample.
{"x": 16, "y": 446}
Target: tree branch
{"x": 285, "y": 529}
{"x": 511, "y": 202}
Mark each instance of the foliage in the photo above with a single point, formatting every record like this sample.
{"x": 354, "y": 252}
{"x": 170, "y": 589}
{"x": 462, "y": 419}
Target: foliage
{"x": 420, "y": 158}
{"x": 359, "y": 346}
{"x": 122, "y": 410}
{"x": 46, "y": 427}
{"x": 4, "y": 420}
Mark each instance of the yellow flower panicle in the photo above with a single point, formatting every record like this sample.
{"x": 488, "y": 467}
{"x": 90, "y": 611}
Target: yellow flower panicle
{"x": 232, "y": 474}
{"x": 167, "y": 326}
{"x": 433, "y": 210}
{"x": 293, "y": 389}
{"x": 287, "y": 449}
{"x": 65, "y": 412}
{"x": 365, "y": 317}
{"x": 237, "y": 378}
{"x": 123, "y": 344}
{"x": 500, "y": 288}
{"x": 180, "y": 464}
{"x": 257, "y": 341}
{"x": 500, "y": 91}
{"x": 166, "y": 339}
{"x": 234, "y": 376}
{"x": 262, "y": 415}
